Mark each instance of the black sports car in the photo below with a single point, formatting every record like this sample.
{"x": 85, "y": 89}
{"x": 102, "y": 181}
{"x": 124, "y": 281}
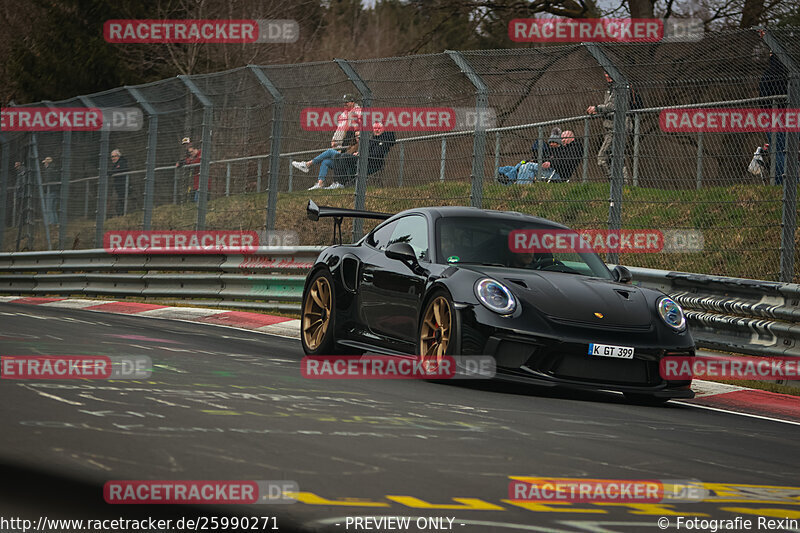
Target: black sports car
{"x": 438, "y": 281}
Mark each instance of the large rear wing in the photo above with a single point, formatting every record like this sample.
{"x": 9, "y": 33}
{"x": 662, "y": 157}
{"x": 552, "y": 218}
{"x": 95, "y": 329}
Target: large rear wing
{"x": 315, "y": 212}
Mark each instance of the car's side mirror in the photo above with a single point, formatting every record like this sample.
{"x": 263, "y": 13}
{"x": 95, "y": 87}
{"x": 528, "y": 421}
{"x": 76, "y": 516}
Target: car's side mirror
{"x": 401, "y": 251}
{"x": 621, "y": 274}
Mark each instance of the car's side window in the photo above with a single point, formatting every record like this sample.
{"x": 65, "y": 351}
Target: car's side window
{"x": 413, "y": 230}
{"x": 379, "y": 238}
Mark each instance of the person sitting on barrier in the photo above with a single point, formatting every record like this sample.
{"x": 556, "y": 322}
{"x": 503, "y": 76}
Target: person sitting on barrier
{"x": 345, "y": 136}
{"x": 525, "y": 172}
{"x": 346, "y": 165}
{"x": 563, "y": 153}
{"x": 326, "y": 159}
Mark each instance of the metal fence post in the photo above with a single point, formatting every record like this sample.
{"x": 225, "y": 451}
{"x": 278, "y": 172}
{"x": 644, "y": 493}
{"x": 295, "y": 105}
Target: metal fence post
{"x": 479, "y": 139}
{"x": 150, "y": 164}
{"x": 258, "y": 175}
{"x": 66, "y": 168}
{"x": 205, "y": 156}
{"x": 442, "y": 159}
{"x": 175, "y": 178}
{"x": 621, "y": 91}
{"x": 539, "y": 152}
{"x": 699, "y": 160}
{"x": 401, "y": 164}
{"x": 4, "y": 162}
{"x": 789, "y": 215}
{"x": 102, "y": 183}
{"x": 363, "y": 151}
{"x": 585, "y": 177}
{"x": 772, "y": 148}
{"x": 637, "y": 124}
{"x": 275, "y": 145}
{"x": 40, "y": 188}
{"x": 496, "y": 154}
{"x": 228, "y": 178}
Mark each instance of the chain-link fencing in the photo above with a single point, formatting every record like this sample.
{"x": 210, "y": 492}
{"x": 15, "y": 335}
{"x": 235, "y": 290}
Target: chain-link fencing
{"x": 602, "y": 156}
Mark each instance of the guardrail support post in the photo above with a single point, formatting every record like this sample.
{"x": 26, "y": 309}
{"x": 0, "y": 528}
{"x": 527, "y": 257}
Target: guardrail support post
{"x": 363, "y": 151}
{"x": 4, "y": 162}
{"x": 275, "y": 145}
{"x": 789, "y": 216}
{"x": 205, "y": 156}
{"x": 150, "y": 164}
{"x": 621, "y": 89}
{"x": 479, "y": 139}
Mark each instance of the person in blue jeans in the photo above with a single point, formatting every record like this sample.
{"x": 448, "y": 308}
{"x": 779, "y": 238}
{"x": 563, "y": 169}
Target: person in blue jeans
{"x": 326, "y": 159}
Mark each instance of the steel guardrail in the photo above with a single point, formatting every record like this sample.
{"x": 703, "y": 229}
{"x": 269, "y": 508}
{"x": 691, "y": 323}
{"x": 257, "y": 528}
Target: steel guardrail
{"x": 729, "y": 314}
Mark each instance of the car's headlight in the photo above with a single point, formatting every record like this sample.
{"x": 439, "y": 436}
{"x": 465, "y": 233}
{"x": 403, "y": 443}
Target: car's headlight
{"x": 671, "y": 313}
{"x": 495, "y": 296}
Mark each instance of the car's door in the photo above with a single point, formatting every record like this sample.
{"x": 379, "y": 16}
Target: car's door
{"x": 390, "y": 291}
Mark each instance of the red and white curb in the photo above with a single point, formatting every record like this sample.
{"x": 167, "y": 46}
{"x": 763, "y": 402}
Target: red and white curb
{"x": 273, "y": 325}
{"x": 709, "y": 394}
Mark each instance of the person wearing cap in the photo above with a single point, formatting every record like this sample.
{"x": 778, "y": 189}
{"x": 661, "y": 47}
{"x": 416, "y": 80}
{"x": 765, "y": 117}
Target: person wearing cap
{"x": 606, "y": 110}
{"x": 561, "y": 156}
{"x": 347, "y": 122}
{"x": 344, "y": 141}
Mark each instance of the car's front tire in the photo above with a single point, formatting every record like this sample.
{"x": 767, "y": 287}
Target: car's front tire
{"x": 319, "y": 313}
{"x": 438, "y": 329}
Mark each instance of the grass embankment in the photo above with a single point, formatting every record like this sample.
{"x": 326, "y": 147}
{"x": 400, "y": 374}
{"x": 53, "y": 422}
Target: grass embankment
{"x": 740, "y": 224}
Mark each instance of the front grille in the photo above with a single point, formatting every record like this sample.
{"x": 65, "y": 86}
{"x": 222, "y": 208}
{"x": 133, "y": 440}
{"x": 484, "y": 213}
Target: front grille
{"x": 601, "y": 327}
{"x": 572, "y": 362}
{"x": 606, "y": 370}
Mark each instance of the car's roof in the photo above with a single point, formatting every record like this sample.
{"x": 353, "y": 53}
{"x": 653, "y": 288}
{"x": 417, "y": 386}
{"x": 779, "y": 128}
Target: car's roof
{"x": 464, "y": 211}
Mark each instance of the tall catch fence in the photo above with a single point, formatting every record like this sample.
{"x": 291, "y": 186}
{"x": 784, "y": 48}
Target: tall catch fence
{"x": 246, "y": 123}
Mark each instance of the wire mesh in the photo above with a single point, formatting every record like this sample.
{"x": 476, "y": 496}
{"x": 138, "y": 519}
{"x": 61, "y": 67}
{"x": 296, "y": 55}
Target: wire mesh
{"x": 536, "y": 96}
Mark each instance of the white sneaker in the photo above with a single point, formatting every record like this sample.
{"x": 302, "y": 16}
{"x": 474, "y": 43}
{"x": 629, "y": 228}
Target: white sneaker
{"x": 336, "y": 185}
{"x": 301, "y": 165}
{"x": 315, "y": 187}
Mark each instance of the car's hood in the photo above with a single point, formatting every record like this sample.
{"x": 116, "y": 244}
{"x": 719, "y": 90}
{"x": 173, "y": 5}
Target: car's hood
{"x": 578, "y": 298}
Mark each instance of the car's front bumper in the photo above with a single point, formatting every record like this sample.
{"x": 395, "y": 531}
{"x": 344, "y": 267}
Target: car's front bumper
{"x": 559, "y": 356}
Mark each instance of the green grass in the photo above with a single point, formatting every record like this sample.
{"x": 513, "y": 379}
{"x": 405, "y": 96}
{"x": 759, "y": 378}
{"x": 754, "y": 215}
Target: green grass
{"x": 740, "y": 224}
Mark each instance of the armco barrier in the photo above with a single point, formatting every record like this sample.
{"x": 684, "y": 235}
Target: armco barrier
{"x": 269, "y": 279}
{"x": 732, "y": 314}
{"x": 729, "y": 314}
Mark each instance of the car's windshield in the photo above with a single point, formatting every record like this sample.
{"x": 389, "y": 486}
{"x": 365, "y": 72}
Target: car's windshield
{"x": 485, "y": 241}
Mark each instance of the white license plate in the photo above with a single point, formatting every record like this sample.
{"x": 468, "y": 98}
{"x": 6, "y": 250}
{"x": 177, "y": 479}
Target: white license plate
{"x": 606, "y": 350}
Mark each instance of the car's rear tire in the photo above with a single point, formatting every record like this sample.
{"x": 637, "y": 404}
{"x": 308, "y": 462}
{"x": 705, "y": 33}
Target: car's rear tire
{"x": 645, "y": 399}
{"x": 438, "y": 333}
{"x": 318, "y": 315}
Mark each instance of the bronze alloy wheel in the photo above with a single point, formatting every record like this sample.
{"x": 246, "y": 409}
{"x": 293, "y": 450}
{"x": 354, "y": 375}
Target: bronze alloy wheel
{"x": 434, "y": 335}
{"x": 317, "y": 312}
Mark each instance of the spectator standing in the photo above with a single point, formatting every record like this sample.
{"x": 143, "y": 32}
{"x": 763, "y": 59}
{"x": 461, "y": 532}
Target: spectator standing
{"x": 606, "y": 110}
{"x": 119, "y": 173}
{"x": 193, "y": 157}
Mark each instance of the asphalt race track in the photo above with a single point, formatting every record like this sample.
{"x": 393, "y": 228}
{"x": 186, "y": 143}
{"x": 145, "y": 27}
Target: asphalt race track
{"x": 231, "y": 404}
